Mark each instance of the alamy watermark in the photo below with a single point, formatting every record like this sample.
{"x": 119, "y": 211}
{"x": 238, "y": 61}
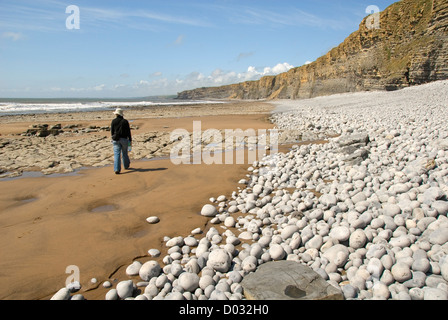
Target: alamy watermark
{"x": 73, "y": 21}
{"x": 373, "y": 21}
{"x": 73, "y": 270}
{"x": 227, "y": 146}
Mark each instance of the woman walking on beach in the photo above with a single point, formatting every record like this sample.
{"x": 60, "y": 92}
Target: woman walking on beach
{"x": 121, "y": 136}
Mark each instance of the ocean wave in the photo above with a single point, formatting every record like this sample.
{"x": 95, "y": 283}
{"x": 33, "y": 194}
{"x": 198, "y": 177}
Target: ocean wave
{"x": 13, "y": 108}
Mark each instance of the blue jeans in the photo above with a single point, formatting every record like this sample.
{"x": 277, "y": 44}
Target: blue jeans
{"x": 121, "y": 148}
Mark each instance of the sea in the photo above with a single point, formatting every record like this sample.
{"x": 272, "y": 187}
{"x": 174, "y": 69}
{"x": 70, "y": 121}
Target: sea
{"x": 18, "y": 106}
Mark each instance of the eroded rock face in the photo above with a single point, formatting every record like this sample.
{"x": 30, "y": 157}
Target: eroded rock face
{"x": 409, "y": 48}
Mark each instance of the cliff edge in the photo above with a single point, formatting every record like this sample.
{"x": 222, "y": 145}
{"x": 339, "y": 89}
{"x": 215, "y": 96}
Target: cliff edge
{"x": 410, "y": 47}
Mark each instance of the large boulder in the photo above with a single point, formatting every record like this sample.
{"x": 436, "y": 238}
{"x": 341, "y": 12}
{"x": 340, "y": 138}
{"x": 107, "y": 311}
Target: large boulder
{"x": 288, "y": 280}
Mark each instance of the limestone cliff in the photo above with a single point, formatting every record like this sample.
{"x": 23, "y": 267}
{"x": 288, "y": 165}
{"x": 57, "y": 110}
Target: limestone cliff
{"x": 409, "y": 48}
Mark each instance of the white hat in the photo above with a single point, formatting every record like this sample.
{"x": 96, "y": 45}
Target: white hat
{"x": 119, "y": 111}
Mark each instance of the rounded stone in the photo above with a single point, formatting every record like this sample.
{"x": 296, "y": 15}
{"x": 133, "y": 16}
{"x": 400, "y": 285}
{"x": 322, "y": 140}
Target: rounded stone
{"x": 439, "y": 236}
{"x": 315, "y": 242}
{"x": 161, "y": 280}
{"x": 441, "y": 207}
{"x": 189, "y": 281}
{"x": 340, "y": 233}
{"x": 235, "y": 276}
{"x": 176, "y": 241}
{"x": 149, "y": 270}
{"x": 391, "y": 209}
{"x": 233, "y": 240}
{"x": 153, "y": 220}
{"x": 422, "y": 265}
{"x": 62, "y": 294}
{"x": 400, "y": 242}
{"x": 349, "y": 291}
{"x": 125, "y": 289}
{"x": 249, "y": 263}
{"x": 337, "y": 254}
{"x": 209, "y": 211}
{"x": 256, "y": 250}
{"x": 246, "y": 235}
{"x": 176, "y": 269}
{"x": 191, "y": 241}
{"x": 435, "y": 294}
{"x": 401, "y": 272}
{"x": 134, "y": 268}
{"x": 432, "y": 194}
{"x": 360, "y": 196}
{"x": 277, "y": 252}
{"x": 205, "y": 281}
{"x": 257, "y": 189}
{"x": 377, "y": 223}
{"x": 416, "y": 293}
{"x": 112, "y": 294}
{"x": 154, "y": 253}
{"x": 328, "y": 200}
{"x": 444, "y": 268}
{"x": 357, "y": 239}
{"x": 316, "y": 214}
{"x": 376, "y": 250}
{"x": 288, "y": 231}
{"x": 229, "y": 222}
{"x": 219, "y": 260}
{"x": 175, "y": 295}
{"x": 399, "y": 188}
{"x": 381, "y": 291}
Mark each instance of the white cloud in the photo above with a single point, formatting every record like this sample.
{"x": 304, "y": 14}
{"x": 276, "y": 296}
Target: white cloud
{"x": 280, "y": 68}
{"x": 99, "y": 87}
{"x": 14, "y": 36}
{"x": 244, "y": 55}
{"x": 219, "y": 77}
{"x": 253, "y": 74}
{"x": 179, "y": 40}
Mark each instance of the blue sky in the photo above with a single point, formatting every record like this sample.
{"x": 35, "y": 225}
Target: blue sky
{"x": 139, "y": 48}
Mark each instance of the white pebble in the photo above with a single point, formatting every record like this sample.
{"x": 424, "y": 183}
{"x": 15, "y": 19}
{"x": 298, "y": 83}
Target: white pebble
{"x": 209, "y": 211}
{"x": 153, "y": 220}
{"x": 125, "y": 289}
{"x": 401, "y": 272}
{"x": 134, "y": 268}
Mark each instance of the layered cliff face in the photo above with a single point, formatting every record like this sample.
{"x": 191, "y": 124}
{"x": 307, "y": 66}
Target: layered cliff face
{"x": 409, "y": 48}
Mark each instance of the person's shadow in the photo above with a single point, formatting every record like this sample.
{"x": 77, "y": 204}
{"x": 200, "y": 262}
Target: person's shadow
{"x": 132, "y": 170}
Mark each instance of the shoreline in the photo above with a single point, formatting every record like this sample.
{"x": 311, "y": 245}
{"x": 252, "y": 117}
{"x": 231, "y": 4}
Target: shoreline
{"x": 84, "y": 139}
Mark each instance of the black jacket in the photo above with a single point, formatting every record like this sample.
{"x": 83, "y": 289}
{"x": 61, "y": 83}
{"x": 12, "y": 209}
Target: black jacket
{"x": 125, "y": 128}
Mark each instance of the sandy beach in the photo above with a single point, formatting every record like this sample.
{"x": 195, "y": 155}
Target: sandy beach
{"x": 91, "y": 218}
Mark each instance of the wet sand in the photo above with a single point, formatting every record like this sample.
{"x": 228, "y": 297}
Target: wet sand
{"x": 96, "y": 220}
